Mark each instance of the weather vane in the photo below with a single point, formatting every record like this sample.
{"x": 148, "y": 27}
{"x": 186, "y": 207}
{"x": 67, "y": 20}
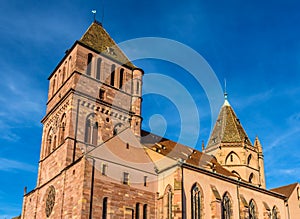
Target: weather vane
{"x": 225, "y": 89}
{"x": 94, "y": 12}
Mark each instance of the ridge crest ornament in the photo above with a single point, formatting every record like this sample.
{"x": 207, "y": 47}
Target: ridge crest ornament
{"x": 50, "y": 201}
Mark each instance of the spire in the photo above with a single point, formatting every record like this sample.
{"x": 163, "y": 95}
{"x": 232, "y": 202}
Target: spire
{"x": 257, "y": 144}
{"x": 228, "y": 128}
{"x": 99, "y": 40}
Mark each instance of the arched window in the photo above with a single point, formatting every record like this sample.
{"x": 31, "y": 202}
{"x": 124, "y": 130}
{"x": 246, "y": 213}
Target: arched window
{"x": 196, "y": 202}
{"x": 62, "y": 129}
{"x": 249, "y": 159}
{"x": 98, "y": 70}
{"x": 104, "y": 208}
{"x": 275, "y": 214}
{"x": 137, "y": 87}
{"x": 298, "y": 193}
{"x": 91, "y": 130}
{"x": 112, "y": 75}
{"x": 63, "y": 75}
{"x": 69, "y": 67}
{"x": 89, "y": 64}
{"x": 232, "y": 159}
{"x": 54, "y": 143}
{"x": 145, "y": 211}
{"x": 53, "y": 84}
{"x": 252, "y": 210}
{"x": 226, "y": 207}
{"x": 49, "y": 142}
{"x": 121, "y": 78}
{"x": 137, "y": 211}
{"x": 251, "y": 178}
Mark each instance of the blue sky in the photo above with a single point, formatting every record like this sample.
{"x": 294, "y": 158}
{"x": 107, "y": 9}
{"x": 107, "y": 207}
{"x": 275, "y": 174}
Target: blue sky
{"x": 255, "y": 45}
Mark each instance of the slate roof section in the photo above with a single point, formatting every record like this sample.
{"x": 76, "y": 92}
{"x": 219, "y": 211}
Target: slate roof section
{"x": 228, "y": 128}
{"x": 285, "y": 190}
{"x": 182, "y": 153}
{"x": 98, "y": 39}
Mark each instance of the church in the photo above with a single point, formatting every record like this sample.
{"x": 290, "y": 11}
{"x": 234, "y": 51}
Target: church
{"x": 97, "y": 163}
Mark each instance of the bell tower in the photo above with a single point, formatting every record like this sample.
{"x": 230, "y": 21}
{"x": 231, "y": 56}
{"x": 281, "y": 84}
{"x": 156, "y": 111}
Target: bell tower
{"x": 231, "y": 146}
{"x": 94, "y": 95}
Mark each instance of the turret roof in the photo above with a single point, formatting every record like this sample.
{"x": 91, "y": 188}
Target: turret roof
{"x": 228, "y": 128}
{"x": 98, "y": 39}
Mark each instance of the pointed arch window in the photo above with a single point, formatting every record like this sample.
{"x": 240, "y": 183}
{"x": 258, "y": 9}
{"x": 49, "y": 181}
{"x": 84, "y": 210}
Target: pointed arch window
{"x": 104, "y": 208}
{"x": 249, "y": 159}
{"x": 121, "y": 78}
{"x": 145, "y": 211}
{"x": 53, "y": 84}
{"x": 251, "y": 178}
{"x": 91, "y": 130}
{"x": 98, "y": 70}
{"x": 62, "y": 129}
{"x": 226, "y": 207}
{"x": 49, "y": 142}
{"x": 275, "y": 214}
{"x": 112, "y": 75}
{"x": 196, "y": 202}
{"x": 63, "y": 75}
{"x": 89, "y": 64}
{"x": 252, "y": 210}
{"x": 137, "y": 211}
{"x": 54, "y": 143}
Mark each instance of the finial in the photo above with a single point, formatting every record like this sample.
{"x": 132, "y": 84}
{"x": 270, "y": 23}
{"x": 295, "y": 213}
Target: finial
{"x": 94, "y": 12}
{"x": 203, "y": 146}
{"x": 225, "y": 89}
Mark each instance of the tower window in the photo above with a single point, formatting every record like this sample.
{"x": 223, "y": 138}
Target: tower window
{"x": 125, "y": 178}
{"x": 251, "y": 178}
{"x": 98, "y": 70}
{"x": 145, "y": 211}
{"x": 91, "y": 130}
{"x": 104, "y": 208}
{"x": 137, "y": 211}
{"x": 121, "y": 78}
{"x": 112, "y": 75}
{"x": 145, "y": 180}
{"x": 104, "y": 168}
{"x": 89, "y": 64}
{"x": 137, "y": 87}
{"x": 231, "y": 157}
{"x": 101, "y": 94}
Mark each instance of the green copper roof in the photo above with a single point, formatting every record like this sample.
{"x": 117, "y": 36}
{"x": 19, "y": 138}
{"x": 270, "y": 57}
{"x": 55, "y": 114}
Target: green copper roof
{"x": 98, "y": 39}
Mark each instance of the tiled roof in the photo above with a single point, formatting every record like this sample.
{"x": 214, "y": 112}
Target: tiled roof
{"x": 98, "y": 39}
{"x": 182, "y": 153}
{"x": 285, "y": 190}
{"x": 228, "y": 128}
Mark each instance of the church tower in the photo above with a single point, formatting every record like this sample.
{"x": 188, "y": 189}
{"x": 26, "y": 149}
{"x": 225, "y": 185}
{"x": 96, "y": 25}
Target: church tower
{"x": 94, "y": 95}
{"x": 231, "y": 146}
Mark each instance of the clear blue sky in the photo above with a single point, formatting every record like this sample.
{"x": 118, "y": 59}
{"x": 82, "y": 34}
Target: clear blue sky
{"x": 255, "y": 45}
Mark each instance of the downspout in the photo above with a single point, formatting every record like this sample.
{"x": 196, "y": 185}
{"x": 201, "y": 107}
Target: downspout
{"x": 76, "y": 127}
{"x": 92, "y": 190}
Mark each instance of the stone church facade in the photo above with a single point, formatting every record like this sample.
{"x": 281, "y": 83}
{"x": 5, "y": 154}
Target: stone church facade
{"x": 96, "y": 162}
